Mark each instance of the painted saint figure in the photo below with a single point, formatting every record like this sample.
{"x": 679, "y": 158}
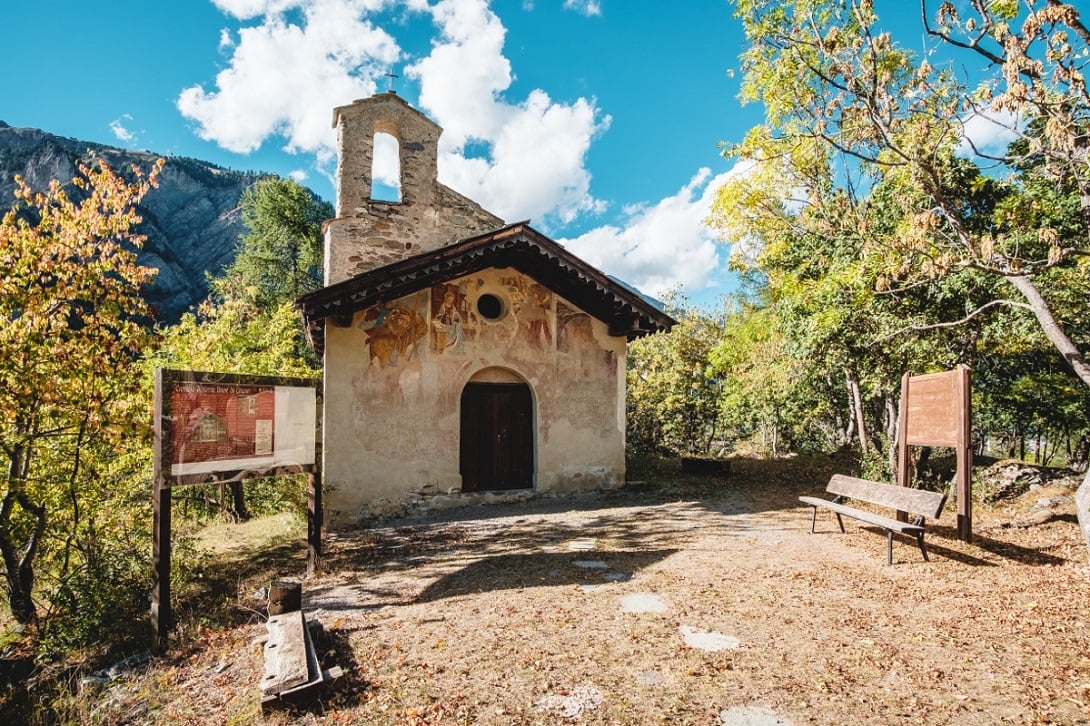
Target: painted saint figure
{"x": 447, "y": 328}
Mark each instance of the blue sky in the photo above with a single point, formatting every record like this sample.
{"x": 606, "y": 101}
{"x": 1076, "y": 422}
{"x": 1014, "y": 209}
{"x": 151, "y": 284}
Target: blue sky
{"x": 598, "y": 120}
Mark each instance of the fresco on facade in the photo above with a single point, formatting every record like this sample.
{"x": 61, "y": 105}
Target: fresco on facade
{"x": 575, "y": 337}
{"x": 575, "y": 330}
{"x": 531, "y": 306}
{"x": 451, "y": 321}
{"x": 393, "y": 330}
{"x": 526, "y": 322}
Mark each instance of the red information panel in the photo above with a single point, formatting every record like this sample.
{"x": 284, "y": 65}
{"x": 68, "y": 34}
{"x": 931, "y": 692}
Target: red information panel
{"x": 232, "y": 425}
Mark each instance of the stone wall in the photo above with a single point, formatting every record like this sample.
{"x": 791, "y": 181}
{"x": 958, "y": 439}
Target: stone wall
{"x": 369, "y": 233}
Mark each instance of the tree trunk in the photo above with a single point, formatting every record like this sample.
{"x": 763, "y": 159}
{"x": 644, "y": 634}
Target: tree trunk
{"x": 1051, "y": 327}
{"x": 19, "y": 559}
{"x": 855, "y": 396}
{"x": 238, "y": 503}
{"x": 19, "y": 562}
{"x": 893, "y": 433}
{"x": 840, "y": 429}
{"x": 1082, "y": 508}
{"x": 922, "y": 462}
{"x": 1078, "y": 460}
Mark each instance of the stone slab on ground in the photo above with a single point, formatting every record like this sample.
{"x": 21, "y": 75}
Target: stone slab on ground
{"x": 582, "y": 545}
{"x": 707, "y": 640}
{"x": 643, "y": 602}
{"x": 572, "y": 704}
{"x": 752, "y": 716}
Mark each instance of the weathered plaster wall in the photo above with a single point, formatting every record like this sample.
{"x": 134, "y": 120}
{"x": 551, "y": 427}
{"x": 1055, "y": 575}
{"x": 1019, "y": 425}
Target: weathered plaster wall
{"x": 395, "y": 376}
{"x": 369, "y": 233}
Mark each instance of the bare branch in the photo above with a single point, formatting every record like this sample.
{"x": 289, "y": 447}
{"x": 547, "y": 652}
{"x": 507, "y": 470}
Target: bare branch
{"x": 951, "y": 324}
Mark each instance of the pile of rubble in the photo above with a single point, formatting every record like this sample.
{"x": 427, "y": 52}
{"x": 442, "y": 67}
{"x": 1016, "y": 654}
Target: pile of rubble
{"x": 1011, "y": 478}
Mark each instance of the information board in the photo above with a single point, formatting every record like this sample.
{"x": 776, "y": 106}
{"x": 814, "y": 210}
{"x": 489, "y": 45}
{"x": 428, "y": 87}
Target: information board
{"x": 219, "y": 427}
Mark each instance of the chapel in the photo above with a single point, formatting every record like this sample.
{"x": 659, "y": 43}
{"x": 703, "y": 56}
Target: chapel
{"x": 465, "y": 358}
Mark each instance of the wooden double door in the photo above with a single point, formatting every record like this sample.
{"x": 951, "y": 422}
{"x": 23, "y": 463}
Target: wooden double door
{"x": 497, "y": 437}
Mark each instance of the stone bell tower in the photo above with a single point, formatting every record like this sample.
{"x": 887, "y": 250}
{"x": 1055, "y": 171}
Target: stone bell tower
{"x": 368, "y": 233}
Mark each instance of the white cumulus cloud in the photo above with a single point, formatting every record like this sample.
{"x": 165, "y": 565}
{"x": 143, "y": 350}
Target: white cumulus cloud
{"x": 535, "y": 167}
{"x": 662, "y": 245}
{"x": 590, "y": 8}
{"x": 988, "y": 133}
{"x": 121, "y": 131}
{"x": 284, "y": 78}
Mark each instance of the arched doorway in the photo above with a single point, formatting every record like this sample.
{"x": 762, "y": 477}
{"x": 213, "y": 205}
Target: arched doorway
{"x": 497, "y": 433}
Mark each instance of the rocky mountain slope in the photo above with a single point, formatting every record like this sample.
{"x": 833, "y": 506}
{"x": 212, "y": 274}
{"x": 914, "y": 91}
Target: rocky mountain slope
{"x": 191, "y": 220}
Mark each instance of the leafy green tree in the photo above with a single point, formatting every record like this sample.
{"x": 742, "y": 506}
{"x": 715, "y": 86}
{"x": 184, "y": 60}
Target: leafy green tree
{"x": 759, "y": 377}
{"x": 71, "y": 337}
{"x": 280, "y": 255}
{"x": 673, "y": 393}
{"x": 835, "y": 86}
{"x": 235, "y": 335}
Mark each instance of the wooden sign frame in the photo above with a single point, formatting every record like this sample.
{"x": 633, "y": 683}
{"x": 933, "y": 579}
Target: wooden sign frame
{"x": 936, "y": 411}
{"x": 262, "y": 455}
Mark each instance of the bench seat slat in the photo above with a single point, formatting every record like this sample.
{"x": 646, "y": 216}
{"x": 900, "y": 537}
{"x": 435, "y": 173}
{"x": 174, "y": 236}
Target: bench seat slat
{"x": 865, "y": 516}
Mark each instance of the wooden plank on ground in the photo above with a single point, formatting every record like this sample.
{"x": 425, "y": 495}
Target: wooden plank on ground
{"x": 286, "y": 657}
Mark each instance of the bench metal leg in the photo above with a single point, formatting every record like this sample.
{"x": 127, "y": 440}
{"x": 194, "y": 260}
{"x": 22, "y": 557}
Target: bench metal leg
{"x": 919, "y": 538}
{"x": 813, "y": 520}
{"x": 839, "y": 521}
{"x": 889, "y": 547}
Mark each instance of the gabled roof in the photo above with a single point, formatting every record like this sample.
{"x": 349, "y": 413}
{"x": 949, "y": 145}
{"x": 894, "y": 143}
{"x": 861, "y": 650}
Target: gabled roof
{"x": 517, "y": 246}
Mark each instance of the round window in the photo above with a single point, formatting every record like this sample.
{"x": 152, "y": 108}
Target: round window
{"x": 490, "y": 307}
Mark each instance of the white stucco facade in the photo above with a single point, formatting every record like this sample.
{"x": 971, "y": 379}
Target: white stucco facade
{"x": 393, "y": 420}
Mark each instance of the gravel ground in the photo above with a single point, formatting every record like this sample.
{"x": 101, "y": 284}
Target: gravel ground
{"x": 675, "y": 601}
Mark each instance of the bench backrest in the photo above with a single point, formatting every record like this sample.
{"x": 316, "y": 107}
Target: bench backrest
{"x": 917, "y": 501}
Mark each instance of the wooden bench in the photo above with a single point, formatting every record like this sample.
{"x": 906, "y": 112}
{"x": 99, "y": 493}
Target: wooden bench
{"x": 920, "y": 502}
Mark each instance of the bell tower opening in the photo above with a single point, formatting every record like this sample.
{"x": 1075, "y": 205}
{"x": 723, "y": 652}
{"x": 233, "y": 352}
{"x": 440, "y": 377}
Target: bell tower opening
{"x": 386, "y": 168}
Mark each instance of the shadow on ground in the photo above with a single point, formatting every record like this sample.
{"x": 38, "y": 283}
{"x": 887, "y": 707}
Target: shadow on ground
{"x": 509, "y": 572}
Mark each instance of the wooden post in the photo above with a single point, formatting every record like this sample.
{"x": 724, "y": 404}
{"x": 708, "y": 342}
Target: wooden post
{"x": 161, "y": 615}
{"x": 285, "y": 596}
{"x": 964, "y": 479}
{"x": 314, "y": 522}
{"x": 904, "y": 459}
